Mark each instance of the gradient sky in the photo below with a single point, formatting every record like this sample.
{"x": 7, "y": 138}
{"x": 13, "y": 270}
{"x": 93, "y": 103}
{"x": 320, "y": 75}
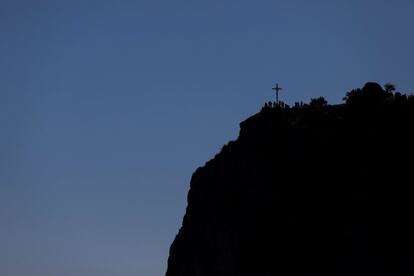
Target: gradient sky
{"x": 107, "y": 107}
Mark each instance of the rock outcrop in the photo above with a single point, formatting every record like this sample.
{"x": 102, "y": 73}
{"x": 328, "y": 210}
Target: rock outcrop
{"x": 314, "y": 189}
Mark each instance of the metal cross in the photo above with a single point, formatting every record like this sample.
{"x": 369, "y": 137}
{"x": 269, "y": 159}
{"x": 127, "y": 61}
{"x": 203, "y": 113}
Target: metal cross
{"x": 277, "y": 89}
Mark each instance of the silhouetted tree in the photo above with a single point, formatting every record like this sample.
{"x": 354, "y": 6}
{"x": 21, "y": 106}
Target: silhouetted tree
{"x": 372, "y": 94}
{"x": 389, "y": 87}
{"x": 318, "y": 102}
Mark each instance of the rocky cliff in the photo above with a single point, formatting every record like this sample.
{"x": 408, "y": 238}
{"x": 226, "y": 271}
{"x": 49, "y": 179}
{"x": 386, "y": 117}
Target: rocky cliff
{"x": 313, "y": 189}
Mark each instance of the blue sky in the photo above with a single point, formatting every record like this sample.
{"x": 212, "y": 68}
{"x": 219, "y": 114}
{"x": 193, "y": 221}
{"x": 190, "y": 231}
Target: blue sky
{"x": 107, "y": 107}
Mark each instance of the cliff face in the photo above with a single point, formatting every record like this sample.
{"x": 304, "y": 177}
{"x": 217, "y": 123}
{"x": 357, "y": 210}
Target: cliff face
{"x": 309, "y": 190}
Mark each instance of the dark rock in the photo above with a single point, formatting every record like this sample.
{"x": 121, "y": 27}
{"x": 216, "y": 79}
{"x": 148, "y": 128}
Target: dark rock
{"x": 311, "y": 190}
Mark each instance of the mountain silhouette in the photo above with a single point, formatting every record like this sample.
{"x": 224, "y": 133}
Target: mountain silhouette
{"x": 312, "y": 189}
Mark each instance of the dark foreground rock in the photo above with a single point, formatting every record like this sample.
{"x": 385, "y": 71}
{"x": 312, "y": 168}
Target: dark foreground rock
{"x": 313, "y": 189}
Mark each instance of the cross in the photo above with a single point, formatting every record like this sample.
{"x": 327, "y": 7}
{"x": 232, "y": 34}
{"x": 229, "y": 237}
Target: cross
{"x": 277, "y": 89}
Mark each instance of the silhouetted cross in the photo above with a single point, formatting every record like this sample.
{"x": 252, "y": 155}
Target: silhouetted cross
{"x": 277, "y": 89}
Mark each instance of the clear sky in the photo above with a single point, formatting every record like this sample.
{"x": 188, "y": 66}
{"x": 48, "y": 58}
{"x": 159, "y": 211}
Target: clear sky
{"x": 107, "y": 107}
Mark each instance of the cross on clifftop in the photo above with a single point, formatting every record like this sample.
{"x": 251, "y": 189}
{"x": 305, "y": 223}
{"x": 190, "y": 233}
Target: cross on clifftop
{"x": 277, "y": 89}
